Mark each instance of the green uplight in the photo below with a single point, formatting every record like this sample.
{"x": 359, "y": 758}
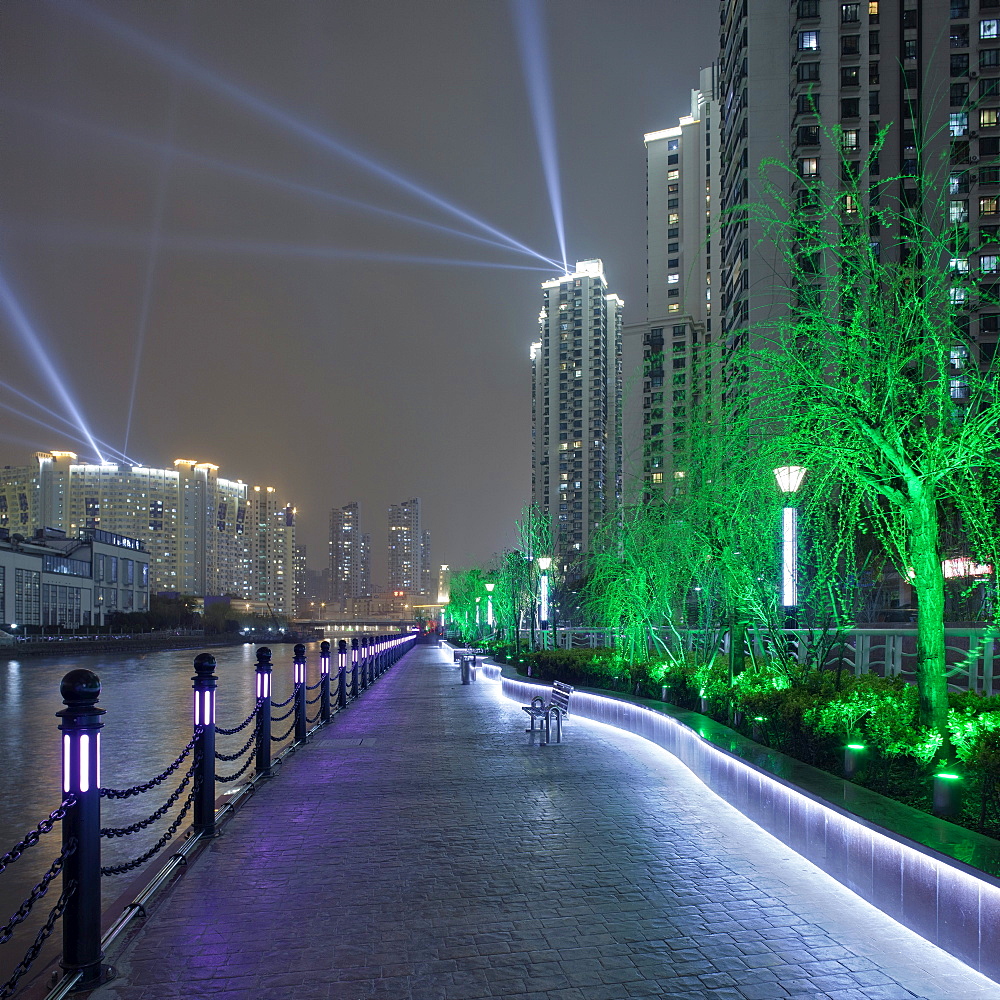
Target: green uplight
{"x": 856, "y": 746}
{"x": 760, "y": 718}
{"x": 948, "y": 777}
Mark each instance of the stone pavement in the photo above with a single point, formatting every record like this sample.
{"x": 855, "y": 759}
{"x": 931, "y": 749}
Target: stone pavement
{"x": 423, "y": 847}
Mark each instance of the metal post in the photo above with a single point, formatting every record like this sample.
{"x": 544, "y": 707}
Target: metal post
{"x": 264, "y": 710}
{"x": 371, "y": 660}
{"x": 354, "y": 667}
{"x": 324, "y": 682}
{"x": 204, "y": 684}
{"x": 341, "y": 673}
{"x": 81, "y": 828}
{"x": 363, "y": 661}
{"x": 299, "y": 680}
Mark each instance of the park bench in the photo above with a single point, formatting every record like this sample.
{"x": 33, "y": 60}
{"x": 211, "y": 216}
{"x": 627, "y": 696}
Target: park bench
{"x": 542, "y": 711}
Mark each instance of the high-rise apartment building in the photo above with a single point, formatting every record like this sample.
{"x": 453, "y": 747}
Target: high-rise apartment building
{"x": 928, "y": 71}
{"x": 409, "y": 568}
{"x": 271, "y": 536}
{"x": 679, "y": 339}
{"x": 576, "y": 407}
{"x": 350, "y": 557}
{"x": 192, "y": 523}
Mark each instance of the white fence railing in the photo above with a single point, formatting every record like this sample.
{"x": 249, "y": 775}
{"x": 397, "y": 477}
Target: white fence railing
{"x": 972, "y": 654}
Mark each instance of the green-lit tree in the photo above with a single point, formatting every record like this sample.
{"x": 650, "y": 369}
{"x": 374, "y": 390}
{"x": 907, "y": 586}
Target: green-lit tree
{"x": 871, "y": 381}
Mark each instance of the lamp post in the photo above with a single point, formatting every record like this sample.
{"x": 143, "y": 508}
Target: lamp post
{"x": 544, "y": 562}
{"x": 489, "y": 605}
{"x": 789, "y": 479}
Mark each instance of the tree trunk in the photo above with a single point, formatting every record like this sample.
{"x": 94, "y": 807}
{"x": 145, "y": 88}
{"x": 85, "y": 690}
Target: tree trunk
{"x": 928, "y": 583}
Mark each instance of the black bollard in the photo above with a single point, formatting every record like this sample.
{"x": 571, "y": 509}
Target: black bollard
{"x": 324, "y": 681}
{"x": 341, "y": 673}
{"x": 354, "y": 667}
{"x": 204, "y": 684}
{"x": 263, "y": 710}
{"x": 81, "y": 753}
{"x": 299, "y": 679}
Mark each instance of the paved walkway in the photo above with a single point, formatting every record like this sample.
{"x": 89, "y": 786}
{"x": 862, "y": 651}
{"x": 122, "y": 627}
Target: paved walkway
{"x": 424, "y": 848}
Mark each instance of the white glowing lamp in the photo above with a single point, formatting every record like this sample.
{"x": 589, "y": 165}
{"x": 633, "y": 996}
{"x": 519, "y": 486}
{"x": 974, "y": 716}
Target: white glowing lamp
{"x": 789, "y": 478}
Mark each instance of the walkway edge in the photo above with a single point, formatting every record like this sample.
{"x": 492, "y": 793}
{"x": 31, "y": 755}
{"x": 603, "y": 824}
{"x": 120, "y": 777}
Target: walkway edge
{"x": 940, "y": 898}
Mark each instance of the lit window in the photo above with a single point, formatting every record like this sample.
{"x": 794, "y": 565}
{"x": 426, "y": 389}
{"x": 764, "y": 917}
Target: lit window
{"x": 850, "y": 204}
{"x": 672, "y": 175}
{"x": 850, "y": 12}
{"x": 849, "y": 138}
{"x": 989, "y": 205}
{"x": 657, "y": 477}
{"x": 873, "y": 10}
{"x": 958, "y": 211}
{"x": 809, "y": 165}
{"x": 960, "y": 264}
{"x": 989, "y": 263}
{"x": 674, "y": 307}
{"x": 672, "y": 279}
{"x": 988, "y": 117}
{"x": 957, "y": 296}
{"x": 958, "y": 122}
{"x": 673, "y": 219}
{"x": 673, "y": 144}
{"x": 989, "y": 28}
{"x": 810, "y": 39}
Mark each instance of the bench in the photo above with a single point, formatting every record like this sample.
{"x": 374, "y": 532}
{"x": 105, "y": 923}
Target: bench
{"x": 459, "y": 653}
{"x": 542, "y": 711}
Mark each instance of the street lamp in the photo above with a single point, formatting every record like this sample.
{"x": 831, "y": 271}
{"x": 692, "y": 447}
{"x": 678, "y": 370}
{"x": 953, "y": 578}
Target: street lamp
{"x": 489, "y": 604}
{"x": 789, "y": 479}
{"x": 544, "y": 562}
{"x": 478, "y": 599}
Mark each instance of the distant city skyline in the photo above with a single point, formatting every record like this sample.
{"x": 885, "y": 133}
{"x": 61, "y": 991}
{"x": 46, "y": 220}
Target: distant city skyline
{"x": 187, "y": 266}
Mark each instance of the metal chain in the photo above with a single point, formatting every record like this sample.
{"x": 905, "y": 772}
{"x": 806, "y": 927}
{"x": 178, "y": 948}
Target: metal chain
{"x": 312, "y": 687}
{"x": 21, "y": 913}
{"x": 312, "y": 701}
{"x": 158, "y": 846}
{"x": 239, "y": 753}
{"x": 127, "y": 793}
{"x": 246, "y": 722}
{"x": 313, "y": 719}
{"x": 124, "y": 831}
{"x": 31, "y": 838}
{"x": 225, "y": 778}
{"x": 41, "y": 937}
{"x": 280, "y": 739}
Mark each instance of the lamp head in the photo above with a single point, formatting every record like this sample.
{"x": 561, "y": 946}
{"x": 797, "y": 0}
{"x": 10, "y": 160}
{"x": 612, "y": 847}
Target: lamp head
{"x": 544, "y": 562}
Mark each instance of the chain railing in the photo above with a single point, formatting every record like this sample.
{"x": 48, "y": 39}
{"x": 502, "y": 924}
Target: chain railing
{"x": 79, "y": 860}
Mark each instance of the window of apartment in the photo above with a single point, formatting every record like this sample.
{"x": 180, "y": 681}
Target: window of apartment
{"x": 873, "y": 11}
{"x": 850, "y": 45}
{"x": 673, "y": 144}
{"x": 850, "y": 76}
{"x": 989, "y": 175}
{"x": 988, "y": 117}
{"x": 958, "y": 182}
{"x": 958, "y": 211}
{"x": 989, "y": 58}
{"x": 959, "y": 8}
{"x": 672, "y": 279}
{"x": 808, "y": 8}
{"x": 989, "y": 28}
{"x": 989, "y": 263}
{"x": 958, "y": 123}
{"x": 959, "y": 94}
{"x": 989, "y": 88}
{"x": 850, "y": 13}
{"x": 873, "y": 73}
{"x": 850, "y": 107}
{"x": 989, "y": 204}
{"x": 673, "y": 218}
{"x": 959, "y": 36}
{"x": 808, "y": 41}
{"x": 910, "y": 18}
{"x": 808, "y": 135}
{"x": 808, "y": 166}
{"x": 673, "y": 202}
{"x": 959, "y": 64}
{"x": 672, "y": 188}
{"x": 805, "y": 104}
{"x": 807, "y": 72}
{"x": 959, "y": 264}
{"x": 873, "y": 43}
{"x": 673, "y": 247}
{"x": 910, "y": 48}
{"x": 849, "y": 138}
{"x": 673, "y": 175}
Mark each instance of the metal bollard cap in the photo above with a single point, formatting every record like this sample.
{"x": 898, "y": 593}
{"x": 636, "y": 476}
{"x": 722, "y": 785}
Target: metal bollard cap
{"x": 80, "y": 687}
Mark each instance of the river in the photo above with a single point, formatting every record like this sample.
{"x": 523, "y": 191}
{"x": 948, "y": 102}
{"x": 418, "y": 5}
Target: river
{"x": 147, "y": 697}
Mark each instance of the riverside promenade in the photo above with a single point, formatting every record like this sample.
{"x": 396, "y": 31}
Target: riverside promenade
{"x": 424, "y": 847}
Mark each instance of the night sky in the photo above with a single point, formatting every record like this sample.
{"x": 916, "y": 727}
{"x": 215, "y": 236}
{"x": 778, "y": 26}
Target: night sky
{"x": 162, "y": 171}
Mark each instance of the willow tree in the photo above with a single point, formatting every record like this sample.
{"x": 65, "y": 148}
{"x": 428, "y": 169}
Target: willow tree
{"x": 871, "y": 381}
